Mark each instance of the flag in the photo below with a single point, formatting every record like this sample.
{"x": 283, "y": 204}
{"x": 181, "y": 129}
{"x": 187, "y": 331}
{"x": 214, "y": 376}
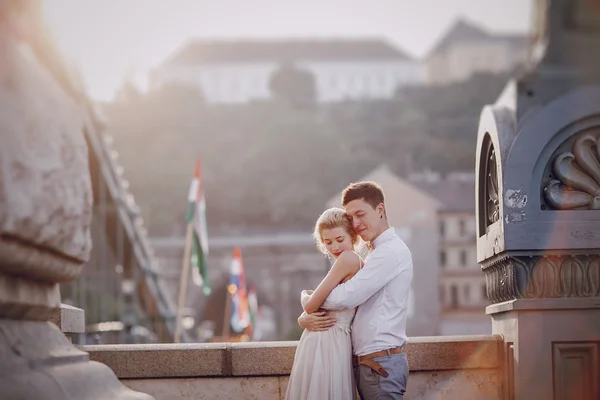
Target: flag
{"x": 240, "y": 313}
{"x": 196, "y": 215}
{"x": 253, "y": 311}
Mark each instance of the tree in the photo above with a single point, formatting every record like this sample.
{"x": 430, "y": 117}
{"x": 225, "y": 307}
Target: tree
{"x": 293, "y": 85}
{"x": 271, "y": 166}
{"x": 176, "y": 93}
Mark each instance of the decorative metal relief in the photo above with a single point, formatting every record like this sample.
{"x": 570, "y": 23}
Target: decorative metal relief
{"x": 489, "y": 195}
{"x": 493, "y": 199}
{"x": 576, "y": 181}
{"x": 534, "y": 277}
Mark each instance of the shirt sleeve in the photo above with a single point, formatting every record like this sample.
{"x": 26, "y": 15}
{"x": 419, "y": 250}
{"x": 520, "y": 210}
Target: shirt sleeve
{"x": 380, "y": 268}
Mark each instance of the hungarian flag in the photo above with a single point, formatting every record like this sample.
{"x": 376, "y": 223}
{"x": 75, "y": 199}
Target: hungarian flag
{"x": 240, "y": 312}
{"x": 196, "y": 216}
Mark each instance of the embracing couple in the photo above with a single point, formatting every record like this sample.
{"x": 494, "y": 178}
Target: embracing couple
{"x": 358, "y": 343}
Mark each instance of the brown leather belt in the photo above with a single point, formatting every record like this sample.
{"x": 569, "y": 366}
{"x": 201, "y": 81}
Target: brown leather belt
{"x": 367, "y": 360}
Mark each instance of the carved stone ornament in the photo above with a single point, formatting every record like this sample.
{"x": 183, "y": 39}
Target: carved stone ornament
{"x": 534, "y": 277}
{"x": 577, "y": 176}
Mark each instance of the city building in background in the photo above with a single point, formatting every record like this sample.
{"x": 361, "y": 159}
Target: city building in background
{"x": 241, "y": 71}
{"x": 462, "y": 290}
{"x": 467, "y": 49}
{"x": 434, "y": 215}
{"x": 279, "y": 265}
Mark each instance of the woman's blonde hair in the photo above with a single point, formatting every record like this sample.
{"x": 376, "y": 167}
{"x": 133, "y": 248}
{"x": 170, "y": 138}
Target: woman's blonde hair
{"x": 330, "y": 219}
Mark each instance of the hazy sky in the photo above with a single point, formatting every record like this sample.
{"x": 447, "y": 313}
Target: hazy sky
{"x": 107, "y": 39}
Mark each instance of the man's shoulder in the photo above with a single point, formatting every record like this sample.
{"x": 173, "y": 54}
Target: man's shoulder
{"x": 394, "y": 244}
{"x": 396, "y": 249}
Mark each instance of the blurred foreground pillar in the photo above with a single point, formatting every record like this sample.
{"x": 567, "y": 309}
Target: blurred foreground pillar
{"x": 45, "y": 216}
{"x": 538, "y": 209}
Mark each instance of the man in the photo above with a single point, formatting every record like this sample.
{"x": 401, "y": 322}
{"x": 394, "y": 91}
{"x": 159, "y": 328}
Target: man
{"x": 380, "y": 290}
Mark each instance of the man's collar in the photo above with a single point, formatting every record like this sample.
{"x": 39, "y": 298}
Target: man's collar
{"x": 384, "y": 236}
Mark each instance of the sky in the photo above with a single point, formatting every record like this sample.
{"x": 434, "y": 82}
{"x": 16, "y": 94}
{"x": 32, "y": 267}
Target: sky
{"x": 108, "y": 40}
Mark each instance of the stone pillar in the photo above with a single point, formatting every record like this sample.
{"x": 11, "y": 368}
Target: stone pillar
{"x": 45, "y": 216}
{"x": 538, "y": 209}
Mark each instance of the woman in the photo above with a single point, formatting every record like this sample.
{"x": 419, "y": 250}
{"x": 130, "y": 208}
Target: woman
{"x": 323, "y": 362}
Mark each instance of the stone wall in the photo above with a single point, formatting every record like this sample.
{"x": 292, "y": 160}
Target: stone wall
{"x": 451, "y": 367}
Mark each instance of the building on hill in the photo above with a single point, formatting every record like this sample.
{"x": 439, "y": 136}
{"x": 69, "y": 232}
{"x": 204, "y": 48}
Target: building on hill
{"x": 414, "y": 215}
{"x": 462, "y": 290}
{"x": 240, "y": 71}
{"x": 466, "y": 49}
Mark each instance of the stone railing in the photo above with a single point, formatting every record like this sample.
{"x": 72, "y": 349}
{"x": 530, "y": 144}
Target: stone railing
{"x": 69, "y": 319}
{"x": 444, "y": 367}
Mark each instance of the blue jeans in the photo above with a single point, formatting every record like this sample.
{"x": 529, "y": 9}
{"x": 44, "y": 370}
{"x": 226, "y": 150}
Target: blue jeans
{"x": 372, "y": 386}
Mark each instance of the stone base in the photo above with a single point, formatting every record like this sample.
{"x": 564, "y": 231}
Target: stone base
{"x": 26, "y": 299}
{"x": 552, "y": 347}
{"x": 38, "y": 362}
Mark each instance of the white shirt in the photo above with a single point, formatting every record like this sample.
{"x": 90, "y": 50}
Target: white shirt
{"x": 380, "y": 289}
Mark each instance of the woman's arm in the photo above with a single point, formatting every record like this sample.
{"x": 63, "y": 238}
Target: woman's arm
{"x": 305, "y": 296}
{"x": 345, "y": 264}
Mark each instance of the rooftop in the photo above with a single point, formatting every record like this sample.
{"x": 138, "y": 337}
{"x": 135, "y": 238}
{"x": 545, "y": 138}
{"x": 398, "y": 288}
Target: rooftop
{"x": 222, "y": 51}
{"x": 456, "y": 191}
{"x": 463, "y": 31}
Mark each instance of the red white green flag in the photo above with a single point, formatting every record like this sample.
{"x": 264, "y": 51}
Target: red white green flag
{"x": 196, "y": 215}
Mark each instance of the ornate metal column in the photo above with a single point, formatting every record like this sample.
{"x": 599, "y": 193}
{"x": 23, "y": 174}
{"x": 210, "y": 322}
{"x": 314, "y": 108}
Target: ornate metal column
{"x": 538, "y": 209}
{"x": 45, "y": 215}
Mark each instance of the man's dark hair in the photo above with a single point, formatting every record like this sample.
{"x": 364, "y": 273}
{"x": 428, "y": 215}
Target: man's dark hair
{"x": 369, "y": 192}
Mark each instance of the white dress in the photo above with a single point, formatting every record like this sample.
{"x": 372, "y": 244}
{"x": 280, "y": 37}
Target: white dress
{"x": 322, "y": 367}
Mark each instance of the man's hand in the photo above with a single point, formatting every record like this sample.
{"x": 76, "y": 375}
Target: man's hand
{"x": 316, "y": 322}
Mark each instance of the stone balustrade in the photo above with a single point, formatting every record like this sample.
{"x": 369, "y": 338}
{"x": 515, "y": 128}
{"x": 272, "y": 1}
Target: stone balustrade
{"x": 70, "y": 320}
{"x": 448, "y": 367}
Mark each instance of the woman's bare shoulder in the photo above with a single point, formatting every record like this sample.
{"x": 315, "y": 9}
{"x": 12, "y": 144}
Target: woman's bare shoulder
{"x": 350, "y": 260}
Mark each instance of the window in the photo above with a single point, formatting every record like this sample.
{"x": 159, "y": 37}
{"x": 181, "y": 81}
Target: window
{"x": 453, "y": 296}
{"x": 442, "y": 229}
{"x": 463, "y": 258}
{"x": 442, "y": 294}
{"x": 467, "y": 293}
{"x": 462, "y": 227}
{"x": 443, "y": 258}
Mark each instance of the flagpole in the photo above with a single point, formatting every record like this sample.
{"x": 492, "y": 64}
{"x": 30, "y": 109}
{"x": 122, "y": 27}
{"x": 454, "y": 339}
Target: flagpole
{"x": 183, "y": 282}
{"x": 227, "y": 315}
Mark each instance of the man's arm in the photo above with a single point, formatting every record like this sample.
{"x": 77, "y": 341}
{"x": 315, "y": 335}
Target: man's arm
{"x": 378, "y": 271}
{"x": 318, "y": 321}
